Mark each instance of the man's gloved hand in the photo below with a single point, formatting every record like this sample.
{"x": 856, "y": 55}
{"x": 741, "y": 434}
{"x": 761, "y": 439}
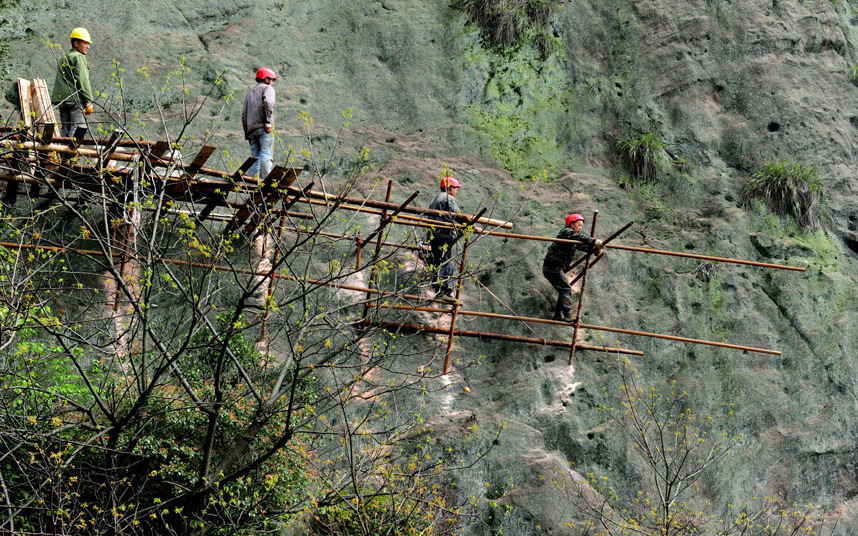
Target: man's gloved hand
{"x": 88, "y": 110}
{"x": 600, "y": 245}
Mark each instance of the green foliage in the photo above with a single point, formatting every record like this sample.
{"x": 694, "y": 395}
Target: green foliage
{"x": 524, "y": 116}
{"x": 507, "y": 22}
{"x": 853, "y": 74}
{"x": 796, "y": 240}
{"x": 674, "y": 447}
{"x": 372, "y": 514}
{"x": 788, "y": 188}
{"x": 643, "y": 156}
{"x": 518, "y": 148}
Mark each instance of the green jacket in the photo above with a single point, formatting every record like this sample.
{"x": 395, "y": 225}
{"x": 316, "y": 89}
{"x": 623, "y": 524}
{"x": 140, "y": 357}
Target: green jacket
{"x": 72, "y": 80}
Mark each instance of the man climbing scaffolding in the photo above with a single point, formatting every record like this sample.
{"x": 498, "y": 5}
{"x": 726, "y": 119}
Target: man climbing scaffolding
{"x": 441, "y": 239}
{"x": 558, "y": 259}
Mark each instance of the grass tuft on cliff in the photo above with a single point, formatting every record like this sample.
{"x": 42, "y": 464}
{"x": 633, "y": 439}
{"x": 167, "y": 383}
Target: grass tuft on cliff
{"x": 642, "y": 155}
{"x": 788, "y": 188}
{"x": 506, "y": 22}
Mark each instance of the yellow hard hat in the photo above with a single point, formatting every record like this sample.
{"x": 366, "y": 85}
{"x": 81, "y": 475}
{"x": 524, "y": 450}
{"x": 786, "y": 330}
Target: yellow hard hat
{"x": 82, "y": 34}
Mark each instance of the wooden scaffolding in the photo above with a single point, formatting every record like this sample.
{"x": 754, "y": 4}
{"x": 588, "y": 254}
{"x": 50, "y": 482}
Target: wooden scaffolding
{"x": 37, "y": 166}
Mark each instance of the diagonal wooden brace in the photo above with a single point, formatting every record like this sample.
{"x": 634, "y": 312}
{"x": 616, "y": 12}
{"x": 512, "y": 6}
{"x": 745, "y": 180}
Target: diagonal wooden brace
{"x": 199, "y": 160}
{"x": 387, "y": 219}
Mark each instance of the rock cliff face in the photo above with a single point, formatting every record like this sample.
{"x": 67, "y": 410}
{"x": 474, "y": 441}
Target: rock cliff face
{"x": 727, "y": 84}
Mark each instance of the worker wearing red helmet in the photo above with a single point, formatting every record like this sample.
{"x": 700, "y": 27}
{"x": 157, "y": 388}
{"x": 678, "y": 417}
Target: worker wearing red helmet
{"x": 441, "y": 240}
{"x": 257, "y": 118}
{"x": 560, "y": 256}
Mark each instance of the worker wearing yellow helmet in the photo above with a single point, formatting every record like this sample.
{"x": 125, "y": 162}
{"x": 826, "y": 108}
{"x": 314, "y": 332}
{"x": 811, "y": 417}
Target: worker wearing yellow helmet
{"x": 72, "y": 92}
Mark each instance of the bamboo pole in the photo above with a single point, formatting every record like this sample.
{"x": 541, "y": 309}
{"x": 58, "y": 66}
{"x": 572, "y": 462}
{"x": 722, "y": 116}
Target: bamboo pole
{"x": 682, "y": 339}
{"x": 502, "y": 316}
{"x": 583, "y": 286}
{"x": 12, "y": 245}
{"x": 606, "y": 241}
{"x": 705, "y": 257}
{"x": 223, "y": 268}
{"x": 460, "y": 216}
{"x": 417, "y": 328}
{"x": 373, "y": 271}
{"x": 271, "y": 281}
{"x": 356, "y": 238}
{"x": 584, "y": 271}
{"x": 455, "y": 310}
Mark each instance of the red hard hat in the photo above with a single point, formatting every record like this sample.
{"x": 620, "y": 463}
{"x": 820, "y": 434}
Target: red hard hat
{"x": 265, "y": 72}
{"x": 572, "y": 218}
{"x": 449, "y": 182}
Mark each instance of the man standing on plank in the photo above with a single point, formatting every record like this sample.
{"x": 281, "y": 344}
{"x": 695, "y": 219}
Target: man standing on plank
{"x": 72, "y": 92}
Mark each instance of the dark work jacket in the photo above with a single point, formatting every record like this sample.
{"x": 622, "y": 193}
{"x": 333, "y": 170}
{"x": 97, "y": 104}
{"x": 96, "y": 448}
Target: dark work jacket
{"x": 447, "y": 203}
{"x": 560, "y": 255}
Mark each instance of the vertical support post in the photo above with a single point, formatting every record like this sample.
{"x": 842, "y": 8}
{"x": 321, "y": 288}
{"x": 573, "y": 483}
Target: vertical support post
{"x": 456, "y": 305}
{"x": 358, "y": 249}
{"x": 373, "y": 272}
{"x": 271, "y": 280}
{"x": 581, "y": 294}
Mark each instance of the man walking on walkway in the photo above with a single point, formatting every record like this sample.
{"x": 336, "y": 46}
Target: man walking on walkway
{"x": 72, "y": 92}
{"x": 257, "y": 118}
{"x": 558, "y": 259}
{"x": 441, "y": 239}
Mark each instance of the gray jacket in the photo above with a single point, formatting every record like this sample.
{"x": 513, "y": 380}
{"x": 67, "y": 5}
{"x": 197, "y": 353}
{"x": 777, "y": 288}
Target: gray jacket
{"x": 258, "y": 110}
{"x": 447, "y": 203}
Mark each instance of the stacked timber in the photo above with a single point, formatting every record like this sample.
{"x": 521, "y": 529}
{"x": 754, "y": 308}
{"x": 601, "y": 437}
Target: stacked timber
{"x": 36, "y": 109}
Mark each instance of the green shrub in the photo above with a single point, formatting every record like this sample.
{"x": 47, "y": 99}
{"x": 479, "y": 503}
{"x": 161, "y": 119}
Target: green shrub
{"x": 642, "y": 156}
{"x": 374, "y": 514}
{"x": 788, "y": 188}
{"x": 506, "y": 22}
{"x": 853, "y": 74}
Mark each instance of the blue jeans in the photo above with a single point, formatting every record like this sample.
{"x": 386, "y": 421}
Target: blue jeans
{"x": 262, "y": 149}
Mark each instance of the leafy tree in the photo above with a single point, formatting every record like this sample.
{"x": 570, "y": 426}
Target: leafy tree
{"x": 674, "y": 447}
{"x": 163, "y": 373}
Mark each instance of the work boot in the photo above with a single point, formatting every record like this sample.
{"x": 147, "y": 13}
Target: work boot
{"x": 445, "y": 295}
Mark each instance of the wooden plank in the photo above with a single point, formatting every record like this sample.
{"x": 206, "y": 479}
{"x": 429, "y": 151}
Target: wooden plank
{"x": 200, "y": 160}
{"x": 45, "y": 119}
{"x": 159, "y": 149}
{"x": 273, "y": 190}
{"x": 25, "y": 99}
{"x": 266, "y": 196}
{"x": 242, "y": 169}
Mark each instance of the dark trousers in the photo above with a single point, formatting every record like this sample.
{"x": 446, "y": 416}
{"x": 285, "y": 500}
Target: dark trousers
{"x": 557, "y": 277}
{"x": 71, "y": 119}
{"x": 442, "y": 250}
